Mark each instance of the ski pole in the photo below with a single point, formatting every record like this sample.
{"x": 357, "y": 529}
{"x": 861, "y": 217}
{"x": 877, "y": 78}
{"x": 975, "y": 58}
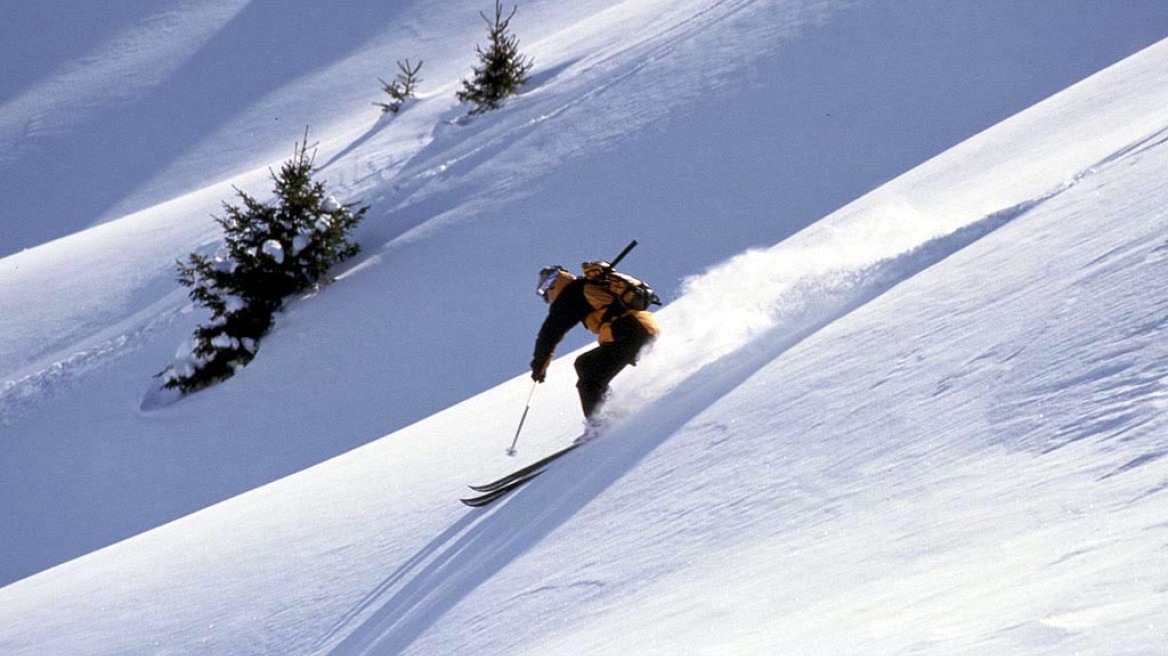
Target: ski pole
{"x": 511, "y": 450}
{"x": 631, "y": 246}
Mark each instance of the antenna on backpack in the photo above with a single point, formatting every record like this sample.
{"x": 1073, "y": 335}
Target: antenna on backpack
{"x": 631, "y": 246}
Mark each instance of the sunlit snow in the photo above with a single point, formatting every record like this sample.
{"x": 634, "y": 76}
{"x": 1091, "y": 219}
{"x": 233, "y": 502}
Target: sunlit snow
{"x": 910, "y": 396}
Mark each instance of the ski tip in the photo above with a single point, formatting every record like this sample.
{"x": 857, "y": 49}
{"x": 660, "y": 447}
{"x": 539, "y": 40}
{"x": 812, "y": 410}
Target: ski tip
{"x": 499, "y": 492}
{"x": 480, "y": 501}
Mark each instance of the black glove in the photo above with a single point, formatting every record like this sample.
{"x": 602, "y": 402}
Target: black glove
{"x": 539, "y": 370}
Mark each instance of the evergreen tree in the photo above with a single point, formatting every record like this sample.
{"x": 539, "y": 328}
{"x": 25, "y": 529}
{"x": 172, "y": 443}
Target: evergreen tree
{"x": 502, "y": 71}
{"x": 270, "y": 252}
{"x": 402, "y": 87}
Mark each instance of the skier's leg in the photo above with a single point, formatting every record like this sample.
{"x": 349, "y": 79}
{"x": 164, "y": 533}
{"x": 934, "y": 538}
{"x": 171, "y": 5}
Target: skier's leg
{"x": 597, "y": 368}
{"x": 594, "y": 370}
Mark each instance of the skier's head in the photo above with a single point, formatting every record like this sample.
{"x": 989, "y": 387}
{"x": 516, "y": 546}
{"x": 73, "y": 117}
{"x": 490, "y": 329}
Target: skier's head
{"x": 596, "y": 269}
{"x": 551, "y": 280}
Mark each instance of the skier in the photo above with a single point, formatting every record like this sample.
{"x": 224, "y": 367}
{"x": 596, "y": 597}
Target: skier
{"x": 608, "y": 303}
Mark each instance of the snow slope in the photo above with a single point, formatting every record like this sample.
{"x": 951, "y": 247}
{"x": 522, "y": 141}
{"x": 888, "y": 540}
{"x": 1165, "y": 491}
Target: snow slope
{"x": 955, "y": 449}
{"x": 930, "y": 422}
{"x": 629, "y": 131}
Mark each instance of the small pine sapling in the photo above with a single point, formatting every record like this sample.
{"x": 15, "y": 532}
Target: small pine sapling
{"x": 401, "y": 89}
{"x": 502, "y": 70}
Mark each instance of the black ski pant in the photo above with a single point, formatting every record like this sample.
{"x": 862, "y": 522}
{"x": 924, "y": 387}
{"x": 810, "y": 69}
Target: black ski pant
{"x": 596, "y": 368}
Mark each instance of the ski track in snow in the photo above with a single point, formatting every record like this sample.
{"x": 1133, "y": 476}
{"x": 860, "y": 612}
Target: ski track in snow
{"x": 26, "y": 392}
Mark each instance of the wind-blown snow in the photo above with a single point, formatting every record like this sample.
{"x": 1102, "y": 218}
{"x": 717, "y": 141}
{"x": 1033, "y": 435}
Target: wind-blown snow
{"x": 930, "y": 422}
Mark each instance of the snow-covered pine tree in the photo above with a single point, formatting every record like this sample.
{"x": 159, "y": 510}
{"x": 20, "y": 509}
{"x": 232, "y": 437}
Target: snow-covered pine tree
{"x": 270, "y": 252}
{"x": 503, "y": 70}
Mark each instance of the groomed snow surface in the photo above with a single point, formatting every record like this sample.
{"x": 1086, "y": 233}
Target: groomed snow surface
{"x": 911, "y": 395}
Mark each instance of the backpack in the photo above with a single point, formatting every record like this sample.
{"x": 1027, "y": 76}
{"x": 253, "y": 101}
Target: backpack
{"x": 618, "y": 292}
{"x": 631, "y": 293}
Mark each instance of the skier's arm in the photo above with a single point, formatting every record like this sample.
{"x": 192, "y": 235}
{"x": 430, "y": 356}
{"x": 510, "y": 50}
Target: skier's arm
{"x": 565, "y": 312}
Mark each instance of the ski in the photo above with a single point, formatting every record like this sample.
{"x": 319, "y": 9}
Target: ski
{"x": 523, "y": 473}
{"x": 503, "y": 490}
